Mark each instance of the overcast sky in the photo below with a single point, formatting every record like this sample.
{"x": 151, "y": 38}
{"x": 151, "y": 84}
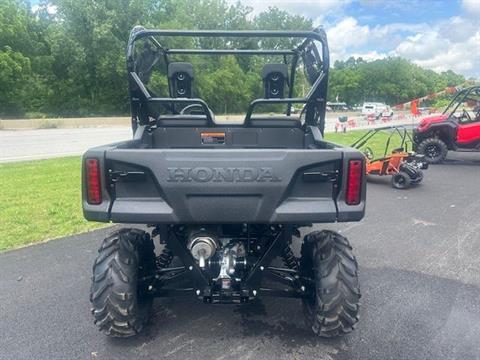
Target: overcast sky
{"x": 436, "y": 34}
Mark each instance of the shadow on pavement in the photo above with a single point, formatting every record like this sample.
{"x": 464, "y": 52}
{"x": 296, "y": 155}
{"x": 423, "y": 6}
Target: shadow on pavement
{"x": 404, "y": 315}
{"x": 463, "y": 158}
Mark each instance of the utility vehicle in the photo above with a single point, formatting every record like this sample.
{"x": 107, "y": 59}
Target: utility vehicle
{"x": 405, "y": 167}
{"x": 223, "y": 202}
{"x": 456, "y": 129}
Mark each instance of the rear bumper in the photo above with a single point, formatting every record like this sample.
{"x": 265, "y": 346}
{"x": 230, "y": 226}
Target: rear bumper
{"x": 213, "y": 211}
{"x": 257, "y": 186}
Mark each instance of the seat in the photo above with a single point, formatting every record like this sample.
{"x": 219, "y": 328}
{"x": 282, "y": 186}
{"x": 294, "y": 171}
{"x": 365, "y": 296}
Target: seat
{"x": 275, "y": 122}
{"x": 182, "y": 121}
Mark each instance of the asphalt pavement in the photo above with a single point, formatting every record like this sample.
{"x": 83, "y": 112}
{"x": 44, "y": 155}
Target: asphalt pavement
{"x": 22, "y": 145}
{"x": 419, "y": 256}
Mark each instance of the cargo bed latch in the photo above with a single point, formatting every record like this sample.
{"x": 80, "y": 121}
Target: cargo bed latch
{"x": 129, "y": 176}
{"x": 320, "y": 176}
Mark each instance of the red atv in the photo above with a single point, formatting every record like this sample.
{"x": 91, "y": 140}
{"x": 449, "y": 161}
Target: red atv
{"x": 454, "y": 129}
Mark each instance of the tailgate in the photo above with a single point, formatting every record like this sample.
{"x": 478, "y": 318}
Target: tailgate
{"x": 222, "y": 186}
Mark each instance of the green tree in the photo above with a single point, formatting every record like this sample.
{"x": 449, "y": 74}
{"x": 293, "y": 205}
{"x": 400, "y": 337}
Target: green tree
{"x": 14, "y": 71}
{"x": 25, "y": 58}
{"x": 232, "y": 97}
{"x": 73, "y": 62}
{"x": 391, "y": 80}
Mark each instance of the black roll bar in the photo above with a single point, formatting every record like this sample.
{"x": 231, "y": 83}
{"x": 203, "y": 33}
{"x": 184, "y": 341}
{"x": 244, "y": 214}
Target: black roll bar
{"x": 318, "y": 34}
{"x": 465, "y": 92}
{"x": 256, "y": 102}
{"x": 314, "y": 100}
{"x": 228, "y": 52}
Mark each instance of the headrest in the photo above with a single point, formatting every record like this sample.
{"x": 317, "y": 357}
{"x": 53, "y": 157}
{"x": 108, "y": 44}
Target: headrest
{"x": 180, "y": 67}
{"x": 180, "y": 78}
{"x": 269, "y": 69}
{"x": 274, "y": 79}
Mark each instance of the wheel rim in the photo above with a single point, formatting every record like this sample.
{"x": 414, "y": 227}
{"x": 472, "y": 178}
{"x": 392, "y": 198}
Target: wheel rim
{"x": 400, "y": 180}
{"x": 432, "y": 151}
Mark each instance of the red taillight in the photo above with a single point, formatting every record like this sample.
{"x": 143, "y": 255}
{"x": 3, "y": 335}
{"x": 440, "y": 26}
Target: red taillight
{"x": 354, "y": 182}
{"x": 94, "y": 189}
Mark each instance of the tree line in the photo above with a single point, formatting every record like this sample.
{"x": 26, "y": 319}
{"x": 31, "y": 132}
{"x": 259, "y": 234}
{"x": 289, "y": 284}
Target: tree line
{"x": 392, "y": 80}
{"x": 70, "y": 61}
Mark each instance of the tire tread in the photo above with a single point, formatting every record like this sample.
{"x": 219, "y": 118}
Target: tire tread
{"x": 421, "y": 148}
{"x": 116, "y": 309}
{"x": 329, "y": 256}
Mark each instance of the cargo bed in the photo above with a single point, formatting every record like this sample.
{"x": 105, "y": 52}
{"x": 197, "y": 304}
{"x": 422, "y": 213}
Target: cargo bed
{"x": 142, "y": 184}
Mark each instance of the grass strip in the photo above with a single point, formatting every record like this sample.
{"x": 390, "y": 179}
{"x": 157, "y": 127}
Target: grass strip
{"x": 40, "y": 200}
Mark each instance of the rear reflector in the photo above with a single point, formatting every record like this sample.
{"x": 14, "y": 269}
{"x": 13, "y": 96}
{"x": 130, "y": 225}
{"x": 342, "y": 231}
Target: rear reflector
{"x": 94, "y": 190}
{"x": 354, "y": 182}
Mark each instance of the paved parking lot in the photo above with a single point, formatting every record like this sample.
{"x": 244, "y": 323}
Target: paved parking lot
{"x": 419, "y": 255}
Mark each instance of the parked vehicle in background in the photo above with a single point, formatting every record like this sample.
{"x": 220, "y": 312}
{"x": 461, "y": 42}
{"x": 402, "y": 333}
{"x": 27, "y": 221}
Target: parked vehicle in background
{"x": 425, "y": 110}
{"x": 405, "y": 167}
{"x": 377, "y": 109}
{"x": 337, "y": 106}
{"x": 456, "y": 129}
{"x": 387, "y": 111}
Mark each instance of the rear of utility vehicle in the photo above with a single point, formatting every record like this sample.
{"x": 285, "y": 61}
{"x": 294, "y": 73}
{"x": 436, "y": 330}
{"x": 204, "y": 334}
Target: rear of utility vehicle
{"x": 225, "y": 199}
{"x": 142, "y": 181}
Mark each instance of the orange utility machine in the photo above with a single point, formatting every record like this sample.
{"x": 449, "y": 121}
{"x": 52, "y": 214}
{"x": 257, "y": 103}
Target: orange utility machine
{"x": 404, "y": 166}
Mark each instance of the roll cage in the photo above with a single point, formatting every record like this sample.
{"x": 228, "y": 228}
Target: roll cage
{"x": 400, "y": 131}
{"x": 315, "y": 65}
{"x": 465, "y": 95}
